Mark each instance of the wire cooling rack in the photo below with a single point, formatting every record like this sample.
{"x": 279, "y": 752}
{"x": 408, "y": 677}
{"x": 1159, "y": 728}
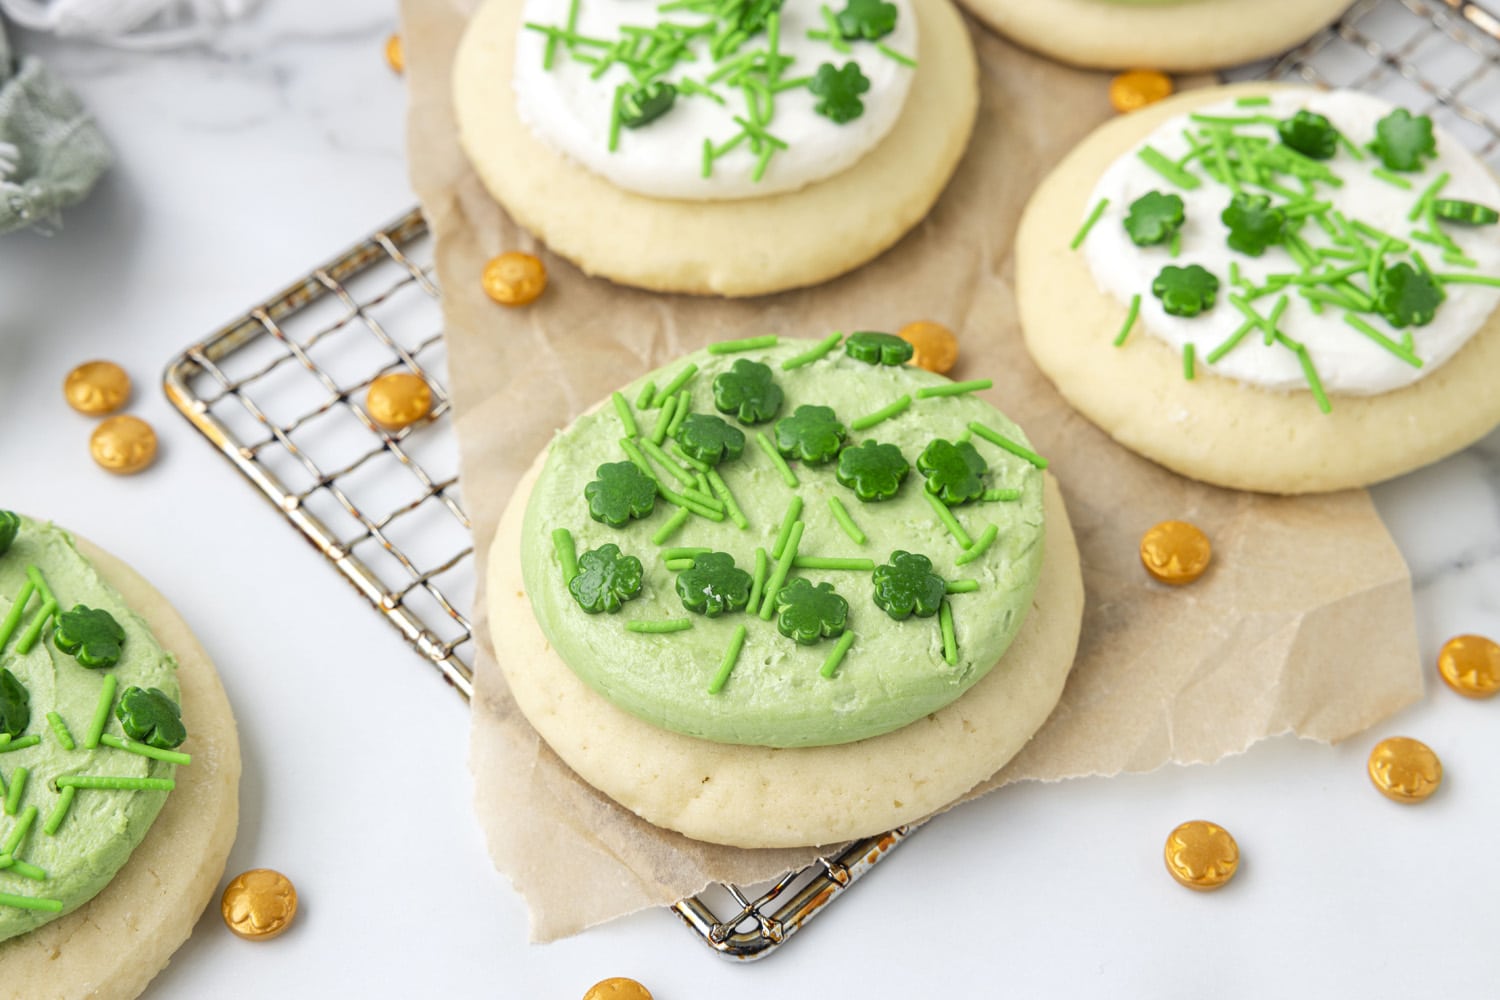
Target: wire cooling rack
{"x": 279, "y": 391}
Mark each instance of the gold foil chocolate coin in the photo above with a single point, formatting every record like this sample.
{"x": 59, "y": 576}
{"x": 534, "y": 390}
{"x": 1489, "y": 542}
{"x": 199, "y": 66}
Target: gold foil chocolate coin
{"x": 97, "y": 388}
{"x": 934, "y": 347}
{"x": 123, "y": 445}
{"x": 259, "y": 904}
{"x": 515, "y": 278}
{"x": 398, "y": 400}
{"x": 1201, "y": 855}
{"x": 1133, "y": 90}
{"x": 395, "y": 53}
{"x": 1175, "y": 552}
{"x": 617, "y": 988}
{"x": 1470, "y": 664}
{"x": 1405, "y": 770}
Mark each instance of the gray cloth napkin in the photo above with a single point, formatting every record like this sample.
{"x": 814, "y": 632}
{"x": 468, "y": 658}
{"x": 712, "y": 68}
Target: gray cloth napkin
{"x": 51, "y": 152}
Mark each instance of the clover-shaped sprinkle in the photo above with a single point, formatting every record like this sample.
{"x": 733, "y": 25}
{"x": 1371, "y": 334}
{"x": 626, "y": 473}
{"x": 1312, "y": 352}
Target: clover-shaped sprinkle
{"x": 151, "y": 717}
{"x": 1254, "y": 223}
{"x": 878, "y": 348}
{"x": 748, "y": 391}
{"x": 1185, "y": 291}
{"x": 1153, "y": 218}
{"x": 838, "y": 91}
{"x": 92, "y": 635}
{"x": 1403, "y": 140}
{"x": 907, "y": 586}
{"x": 710, "y": 439}
{"x": 10, "y": 527}
{"x": 867, "y": 19}
{"x": 1466, "y": 213}
{"x": 873, "y": 471}
{"x": 812, "y": 434}
{"x": 954, "y": 471}
{"x": 807, "y": 613}
{"x": 714, "y": 585}
{"x": 606, "y": 579}
{"x": 1310, "y": 134}
{"x": 620, "y": 492}
{"x": 646, "y": 103}
{"x": 15, "y": 704}
{"x": 1406, "y": 296}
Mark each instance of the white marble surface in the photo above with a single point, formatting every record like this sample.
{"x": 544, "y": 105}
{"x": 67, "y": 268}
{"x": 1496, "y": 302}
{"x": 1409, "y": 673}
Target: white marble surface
{"x": 242, "y": 164}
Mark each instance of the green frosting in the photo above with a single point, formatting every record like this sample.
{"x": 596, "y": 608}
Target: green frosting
{"x": 102, "y": 827}
{"x": 894, "y": 673}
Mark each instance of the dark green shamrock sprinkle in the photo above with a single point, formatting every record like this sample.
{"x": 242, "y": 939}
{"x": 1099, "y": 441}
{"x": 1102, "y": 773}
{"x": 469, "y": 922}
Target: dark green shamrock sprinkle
{"x": 812, "y": 434}
{"x": 714, "y": 585}
{"x": 1403, "y": 140}
{"x": 748, "y": 391}
{"x": 620, "y": 492}
{"x": 10, "y": 527}
{"x": 645, "y": 104}
{"x": 150, "y": 717}
{"x": 1185, "y": 291}
{"x": 838, "y": 92}
{"x": 1466, "y": 213}
{"x": 1254, "y": 223}
{"x": 15, "y": 705}
{"x": 606, "y": 579}
{"x": 807, "y": 613}
{"x": 1310, "y": 134}
{"x": 93, "y": 636}
{"x": 955, "y": 472}
{"x": 907, "y": 586}
{"x": 867, "y": 19}
{"x": 1153, "y": 218}
{"x": 710, "y": 439}
{"x": 873, "y": 471}
{"x": 1406, "y": 296}
{"x": 878, "y": 348}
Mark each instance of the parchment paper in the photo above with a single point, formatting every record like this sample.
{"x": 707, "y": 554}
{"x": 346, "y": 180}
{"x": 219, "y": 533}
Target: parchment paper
{"x": 1303, "y": 624}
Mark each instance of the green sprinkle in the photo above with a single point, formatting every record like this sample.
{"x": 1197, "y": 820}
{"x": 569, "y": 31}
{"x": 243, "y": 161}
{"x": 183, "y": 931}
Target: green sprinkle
{"x": 1252, "y": 102}
{"x": 1466, "y": 279}
{"x": 660, "y": 627}
{"x": 836, "y": 655}
{"x": 1390, "y": 178}
{"x": 60, "y": 729}
{"x": 1130, "y": 316}
{"x": 21, "y": 868}
{"x": 807, "y": 357}
{"x": 684, "y": 407}
{"x": 1405, "y": 354}
{"x": 981, "y": 545}
{"x": 645, "y": 396}
{"x": 18, "y": 832}
{"x": 726, "y": 665}
{"x": 20, "y": 744}
{"x": 779, "y": 574}
{"x": 35, "y": 576}
{"x": 115, "y": 783}
{"x": 638, "y": 459}
{"x": 663, "y": 420}
{"x": 949, "y": 521}
{"x": 787, "y": 475}
{"x": 567, "y": 553}
{"x": 996, "y": 438}
{"x": 950, "y": 641}
{"x": 954, "y": 388}
{"x": 991, "y": 496}
{"x": 679, "y": 565}
{"x": 1154, "y": 159}
{"x": 1313, "y": 382}
{"x": 679, "y": 380}
{"x": 670, "y": 527}
{"x": 891, "y": 53}
{"x": 793, "y": 511}
{"x": 16, "y": 790}
{"x": 884, "y": 413}
{"x": 685, "y": 458}
{"x": 746, "y": 344}
{"x": 1188, "y": 369}
{"x": 13, "y": 619}
{"x": 841, "y": 515}
{"x": 1088, "y": 224}
{"x": 30, "y": 903}
{"x": 627, "y": 419}
{"x": 732, "y": 507}
{"x": 145, "y": 750}
{"x": 831, "y": 562}
{"x": 614, "y": 118}
{"x": 758, "y": 578}
{"x": 962, "y": 586}
{"x": 34, "y": 630}
{"x": 676, "y": 471}
{"x": 692, "y": 503}
{"x": 1231, "y": 343}
{"x": 1419, "y": 207}
{"x": 685, "y": 552}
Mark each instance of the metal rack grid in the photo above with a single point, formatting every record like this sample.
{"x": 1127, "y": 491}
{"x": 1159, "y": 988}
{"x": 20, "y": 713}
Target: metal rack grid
{"x": 279, "y": 392}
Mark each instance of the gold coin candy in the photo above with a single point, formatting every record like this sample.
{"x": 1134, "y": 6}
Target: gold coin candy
{"x": 1470, "y": 664}
{"x": 515, "y": 278}
{"x": 395, "y": 53}
{"x": 124, "y": 445}
{"x": 1136, "y": 88}
{"x": 1201, "y": 855}
{"x": 617, "y": 988}
{"x": 934, "y": 347}
{"x": 1175, "y": 552}
{"x": 259, "y": 904}
{"x": 1405, "y": 770}
{"x": 96, "y": 388}
{"x": 398, "y": 400}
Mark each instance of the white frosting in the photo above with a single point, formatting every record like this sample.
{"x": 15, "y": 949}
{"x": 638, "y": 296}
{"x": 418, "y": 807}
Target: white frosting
{"x": 571, "y": 112}
{"x": 1346, "y": 361}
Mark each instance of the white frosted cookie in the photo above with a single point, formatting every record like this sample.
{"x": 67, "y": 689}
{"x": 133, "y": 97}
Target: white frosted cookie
{"x": 112, "y": 946}
{"x": 1170, "y": 35}
{"x": 748, "y": 246}
{"x": 1213, "y": 428}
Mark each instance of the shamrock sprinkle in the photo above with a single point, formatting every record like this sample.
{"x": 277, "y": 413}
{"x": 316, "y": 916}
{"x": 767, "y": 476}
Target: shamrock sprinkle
{"x": 606, "y": 579}
{"x": 713, "y": 585}
{"x": 93, "y": 636}
{"x": 748, "y": 391}
{"x": 1310, "y": 134}
{"x": 812, "y": 434}
{"x": 907, "y": 586}
{"x": 620, "y": 492}
{"x": 645, "y": 104}
{"x": 878, "y": 348}
{"x": 867, "y": 19}
{"x": 1402, "y": 140}
{"x": 708, "y": 438}
{"x": 954, "y": 471}
{"x": 807, "y": 613}
{"x": 1153, "y": 218}
{"x": 873, "y": 471}
{"x": 1465, "y": 213}
{"x": 150, "y": 717}
{"x": 1406, "y": 296}
{"x": 838, "y": 92}
{"x": 15, "y": 705}
{"x": 1253, "y": 223}
{"x": 10, "y": 527}
{"x": 1185, "y": 291}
